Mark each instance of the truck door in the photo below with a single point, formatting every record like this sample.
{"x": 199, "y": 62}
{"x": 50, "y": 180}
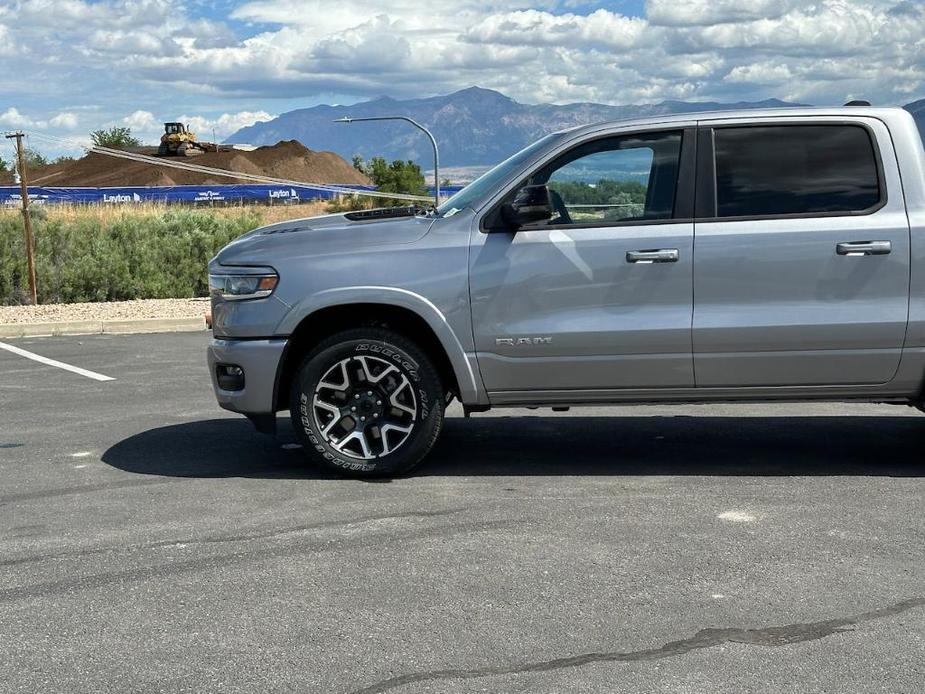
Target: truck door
{"x": 801, "y": 254}
{"x": 599, "y": 297}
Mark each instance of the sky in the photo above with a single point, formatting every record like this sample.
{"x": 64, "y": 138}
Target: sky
{"x": 70, "y": 66}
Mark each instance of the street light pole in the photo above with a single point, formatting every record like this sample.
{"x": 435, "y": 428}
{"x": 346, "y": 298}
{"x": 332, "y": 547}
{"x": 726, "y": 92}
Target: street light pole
{"x": 433, "y": 141}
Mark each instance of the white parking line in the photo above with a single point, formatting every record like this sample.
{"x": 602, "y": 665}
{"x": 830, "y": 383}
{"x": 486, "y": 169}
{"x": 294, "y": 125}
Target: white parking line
{"x": 52, "y": 362}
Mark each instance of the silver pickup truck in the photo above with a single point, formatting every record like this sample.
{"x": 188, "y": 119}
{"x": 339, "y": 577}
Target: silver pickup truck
{"x": 730, "y": 256}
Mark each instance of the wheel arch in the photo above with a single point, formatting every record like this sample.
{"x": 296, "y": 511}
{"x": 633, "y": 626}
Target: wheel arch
{"x": 400, "y": 310}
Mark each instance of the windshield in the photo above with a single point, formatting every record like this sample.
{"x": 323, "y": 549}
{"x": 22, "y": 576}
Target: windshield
{"x": 487, "y": 181}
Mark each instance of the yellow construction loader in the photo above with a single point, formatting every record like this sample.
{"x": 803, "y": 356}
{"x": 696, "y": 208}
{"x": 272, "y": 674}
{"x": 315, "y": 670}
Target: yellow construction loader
{"x": 178, "y": 140}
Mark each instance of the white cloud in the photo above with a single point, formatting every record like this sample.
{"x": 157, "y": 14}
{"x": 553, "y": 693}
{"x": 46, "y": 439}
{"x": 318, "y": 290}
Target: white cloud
{"x": 760, "y": 73}
{"x": 7, "y": 45}
{"x": 12, "y": 118}
{"x": 132, "y": 43}
{"x": 140, "y": 121}
{"x": 600, "y": 29}
{"x": 325, "y": 17}
{"x": 373, "y": 44}
{"x": 707, "y": 12}
{"x": 163, "y": 57}
{"x": 66, "y": 120}
{"x": 225, "y": 124}
{"x": 708, "y": 49}
{"x": 831, "y": 28}
{"x": 148, "y": 128}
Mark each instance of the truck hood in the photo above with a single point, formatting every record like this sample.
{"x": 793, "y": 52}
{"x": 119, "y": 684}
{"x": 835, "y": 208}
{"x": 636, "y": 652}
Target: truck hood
{"x": 315, "y": 236}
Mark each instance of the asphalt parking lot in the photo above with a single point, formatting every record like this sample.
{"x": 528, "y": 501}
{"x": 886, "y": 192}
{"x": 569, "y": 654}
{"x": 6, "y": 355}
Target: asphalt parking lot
{"x": 150, "y": 542}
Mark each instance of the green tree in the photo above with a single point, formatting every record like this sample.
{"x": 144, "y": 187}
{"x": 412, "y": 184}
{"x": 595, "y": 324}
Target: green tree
{"x": 116, "y": 137}
{"x": 358, "y": 163}
{"x": 3, "y": 165}
{"x": 398, "y": 177}
{"x": 33, "y": 158}
{"x": 629, "y": 197}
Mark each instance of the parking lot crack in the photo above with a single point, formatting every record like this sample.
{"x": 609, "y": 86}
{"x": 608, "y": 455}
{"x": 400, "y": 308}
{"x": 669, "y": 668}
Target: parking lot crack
{"x": 705, "y": 638}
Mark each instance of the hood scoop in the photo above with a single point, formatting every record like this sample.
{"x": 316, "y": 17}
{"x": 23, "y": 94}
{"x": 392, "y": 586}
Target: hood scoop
{"x": 281, "y": 230}
{"x": 385, "y": 213}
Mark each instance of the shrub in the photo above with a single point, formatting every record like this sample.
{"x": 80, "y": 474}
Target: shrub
{"x": 350, "y": 203}
{"x": 116, "y": 137}
{"x": 113, "y": 257}
{"x": 397, "y": 177}
{"x": 33, "y": 158}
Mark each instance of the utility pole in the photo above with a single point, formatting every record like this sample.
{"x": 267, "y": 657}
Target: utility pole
{"x": 26, "y": 217}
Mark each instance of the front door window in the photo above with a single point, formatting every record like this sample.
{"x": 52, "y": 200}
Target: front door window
{"x": 614, "y": 179}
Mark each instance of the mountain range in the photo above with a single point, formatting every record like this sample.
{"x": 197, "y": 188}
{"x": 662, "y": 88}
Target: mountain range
{"x": 474, "y": 127}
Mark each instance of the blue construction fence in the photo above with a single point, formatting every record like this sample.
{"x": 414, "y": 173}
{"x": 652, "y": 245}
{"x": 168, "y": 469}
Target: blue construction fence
{"x": 222, "y": 194}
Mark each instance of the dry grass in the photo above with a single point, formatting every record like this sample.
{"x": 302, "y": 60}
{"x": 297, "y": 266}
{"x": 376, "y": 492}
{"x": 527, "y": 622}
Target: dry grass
{"x": 106, "y": 214}
{"x": 280, "y": 213}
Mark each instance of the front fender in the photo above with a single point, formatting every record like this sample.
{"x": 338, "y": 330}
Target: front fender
{"x": 470, "y": 385}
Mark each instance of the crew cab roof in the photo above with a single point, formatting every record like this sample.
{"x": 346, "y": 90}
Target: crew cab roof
{"x": 883, "y": 113}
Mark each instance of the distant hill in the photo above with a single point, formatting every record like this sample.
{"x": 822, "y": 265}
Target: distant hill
{"x": 473, "y": 127}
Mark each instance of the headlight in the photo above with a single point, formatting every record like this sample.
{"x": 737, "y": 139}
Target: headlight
{"x": 243, "y": 283}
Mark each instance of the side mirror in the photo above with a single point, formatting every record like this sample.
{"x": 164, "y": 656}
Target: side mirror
{"x": 531, "y": 204}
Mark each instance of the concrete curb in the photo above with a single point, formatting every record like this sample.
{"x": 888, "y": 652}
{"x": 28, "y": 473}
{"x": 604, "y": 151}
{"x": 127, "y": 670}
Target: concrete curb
{"x": 96, "y": 327}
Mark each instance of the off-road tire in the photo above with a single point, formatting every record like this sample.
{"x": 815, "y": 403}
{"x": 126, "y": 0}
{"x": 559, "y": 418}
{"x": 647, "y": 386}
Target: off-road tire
{"x": 364, "y": 353}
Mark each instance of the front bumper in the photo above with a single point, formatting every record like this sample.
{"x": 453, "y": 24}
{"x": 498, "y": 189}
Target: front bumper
{"x": 259, "y": 359}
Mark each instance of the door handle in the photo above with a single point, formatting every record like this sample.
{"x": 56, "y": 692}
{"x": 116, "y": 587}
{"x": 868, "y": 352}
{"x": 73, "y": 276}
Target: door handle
{"x": 855, "y": 248}
{"x": 664, "y": 255}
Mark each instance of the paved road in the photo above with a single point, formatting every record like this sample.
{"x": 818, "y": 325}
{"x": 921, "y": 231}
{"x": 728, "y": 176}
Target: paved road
{"x": 150, "y": 542}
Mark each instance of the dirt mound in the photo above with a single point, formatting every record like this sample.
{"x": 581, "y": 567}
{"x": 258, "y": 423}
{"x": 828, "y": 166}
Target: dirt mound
{"x": 289, "y": 160}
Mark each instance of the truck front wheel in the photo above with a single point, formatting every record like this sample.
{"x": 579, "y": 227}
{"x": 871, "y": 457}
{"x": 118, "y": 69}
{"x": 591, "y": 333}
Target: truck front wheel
{"x": 367, "y": 402}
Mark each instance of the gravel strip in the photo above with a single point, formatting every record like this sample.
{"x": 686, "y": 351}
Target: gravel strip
{"x": 112, "y": 310}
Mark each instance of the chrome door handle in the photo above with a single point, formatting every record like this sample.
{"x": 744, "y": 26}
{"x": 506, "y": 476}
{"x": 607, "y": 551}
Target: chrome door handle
{"x": 664, "y": 255}
{"x": 864, "y": 248}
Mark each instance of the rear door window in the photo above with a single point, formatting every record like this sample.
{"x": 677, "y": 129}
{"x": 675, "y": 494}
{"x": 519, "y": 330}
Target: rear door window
{"x": 769, "y": 171}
